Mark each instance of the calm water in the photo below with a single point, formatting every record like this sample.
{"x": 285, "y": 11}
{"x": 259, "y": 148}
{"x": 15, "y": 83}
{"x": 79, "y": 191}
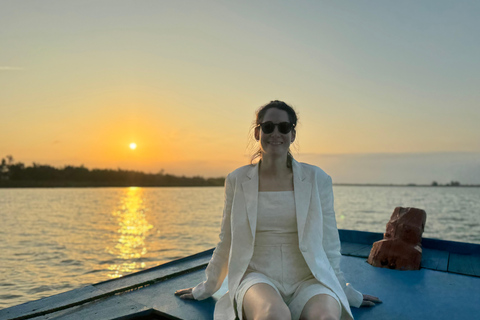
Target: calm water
{"x": 54, "y": 240}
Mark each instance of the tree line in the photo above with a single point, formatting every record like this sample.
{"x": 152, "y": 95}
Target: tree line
{"x": 450, "y": 184}
{"x": 16, "y": 174}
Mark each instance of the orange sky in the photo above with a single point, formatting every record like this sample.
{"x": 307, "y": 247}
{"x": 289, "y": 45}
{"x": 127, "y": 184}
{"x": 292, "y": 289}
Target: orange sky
{"x": 80, "y": 81}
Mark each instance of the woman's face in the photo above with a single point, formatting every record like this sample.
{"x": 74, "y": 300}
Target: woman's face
{"x": 275, "y": 143}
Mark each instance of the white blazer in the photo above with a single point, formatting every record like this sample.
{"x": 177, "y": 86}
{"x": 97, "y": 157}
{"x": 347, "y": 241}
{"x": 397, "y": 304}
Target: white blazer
{"x": 317, "y": 234}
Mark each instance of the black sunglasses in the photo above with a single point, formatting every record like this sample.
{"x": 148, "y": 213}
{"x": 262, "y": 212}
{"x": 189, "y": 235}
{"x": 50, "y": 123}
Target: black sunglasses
{"x": 283, "y": 127}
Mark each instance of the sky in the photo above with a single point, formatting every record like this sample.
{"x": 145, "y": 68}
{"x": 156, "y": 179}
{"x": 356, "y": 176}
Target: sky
{"x": 386, "y": 91}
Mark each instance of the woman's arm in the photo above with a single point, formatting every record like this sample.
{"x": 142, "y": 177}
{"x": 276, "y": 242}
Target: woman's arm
{"x": 331, "y": 241}
{"x": 217, "y": 268}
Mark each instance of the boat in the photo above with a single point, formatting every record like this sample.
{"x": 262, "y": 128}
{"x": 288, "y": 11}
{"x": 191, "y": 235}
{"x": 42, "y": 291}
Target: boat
{"x": 447, "y": 286}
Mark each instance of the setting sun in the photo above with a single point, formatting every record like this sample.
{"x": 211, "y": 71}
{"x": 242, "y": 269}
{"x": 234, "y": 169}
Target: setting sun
{"x": 133, "y": 146}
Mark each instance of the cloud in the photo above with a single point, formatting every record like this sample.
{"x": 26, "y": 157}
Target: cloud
{"x": 9, "y": 68}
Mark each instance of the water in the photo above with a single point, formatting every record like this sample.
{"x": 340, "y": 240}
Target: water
{"x": 55, "y": 240}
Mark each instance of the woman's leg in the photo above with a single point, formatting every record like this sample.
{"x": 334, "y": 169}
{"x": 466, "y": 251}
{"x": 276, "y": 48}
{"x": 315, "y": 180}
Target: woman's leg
{"x": 261, "y": 301}
{"x": 321, "y": 307}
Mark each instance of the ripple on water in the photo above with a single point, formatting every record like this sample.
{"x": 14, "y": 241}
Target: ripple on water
{"x": 455, "y": 219}
{"x": 110, "y": 261}
{"x": 6, "y": 284}
{"x": 39, "y": 289}
{"x": 20, "y": 254}
{"x": 71, "y": 262}
{"x": 9, "y": 296}
{"x": 94, "y": 271}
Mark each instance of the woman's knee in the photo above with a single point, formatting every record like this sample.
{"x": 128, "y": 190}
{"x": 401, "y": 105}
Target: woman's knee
{"x": 321, "y": 307}
{"x": 274, "y": 312}
{"x": 262, "y": 302}
{"x": 320, "y": 316}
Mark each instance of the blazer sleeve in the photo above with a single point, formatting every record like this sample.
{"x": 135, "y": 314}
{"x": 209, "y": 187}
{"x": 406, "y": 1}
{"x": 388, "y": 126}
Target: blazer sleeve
{"x": 331, "y": 241}
{"x": 217, "y": 268}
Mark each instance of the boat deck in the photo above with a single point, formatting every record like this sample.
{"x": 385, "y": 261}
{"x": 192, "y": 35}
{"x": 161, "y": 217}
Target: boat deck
{"x": 446, "y": 287}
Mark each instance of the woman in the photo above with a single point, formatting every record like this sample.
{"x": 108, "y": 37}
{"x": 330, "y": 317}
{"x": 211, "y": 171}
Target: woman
{"x": 279, "y": 241}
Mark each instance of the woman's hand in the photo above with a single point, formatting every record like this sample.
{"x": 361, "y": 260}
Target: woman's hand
{"x": 185, "y": 294}
{"x": 369, "y": 301}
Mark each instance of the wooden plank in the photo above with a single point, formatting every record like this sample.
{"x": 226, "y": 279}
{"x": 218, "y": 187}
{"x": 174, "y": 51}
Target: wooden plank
{"x": 355, "y": 249}
{"x": 464, "y": 264}
{"x": 113, "y": 307}
{"x": 362, "y": 237}
{"x": 364, "y": 252}
{"x": 452, "y": 246}
{"x": 153, "y": 274}
{"x": 160, "y": 296}
{"x": 51, "y": 302}
{"x": 349, "y": 248}
{"x": 102, "y": 290}
{"x": 434, "y": 259}
{"x": 476, "y": 265}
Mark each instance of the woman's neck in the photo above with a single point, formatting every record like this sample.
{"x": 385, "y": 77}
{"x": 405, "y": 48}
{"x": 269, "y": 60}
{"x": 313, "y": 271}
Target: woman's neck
{"x": 275, "y": 175}
{"x": 274, "y": 166}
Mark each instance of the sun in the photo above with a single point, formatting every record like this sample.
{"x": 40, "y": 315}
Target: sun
{"x": 133, "y": 146}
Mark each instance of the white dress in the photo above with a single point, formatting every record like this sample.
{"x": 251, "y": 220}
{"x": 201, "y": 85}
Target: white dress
{"x": 277, "y": 259}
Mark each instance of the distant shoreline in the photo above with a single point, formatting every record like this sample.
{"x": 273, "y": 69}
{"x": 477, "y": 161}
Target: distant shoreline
{"x": 9, "y": 184}
{"x": 17, "y": 175}
{"x": 404, "y": 185}
{"x": 16, "y": 184}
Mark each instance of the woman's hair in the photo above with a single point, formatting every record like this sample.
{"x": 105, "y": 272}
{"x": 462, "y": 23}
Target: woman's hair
{"x": 260, "y": 114}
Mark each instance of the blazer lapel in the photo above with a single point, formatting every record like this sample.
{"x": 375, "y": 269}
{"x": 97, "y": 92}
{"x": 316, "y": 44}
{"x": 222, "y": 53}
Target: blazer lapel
{"x": 303, "y": 191}
{"x": 250, "y": 190}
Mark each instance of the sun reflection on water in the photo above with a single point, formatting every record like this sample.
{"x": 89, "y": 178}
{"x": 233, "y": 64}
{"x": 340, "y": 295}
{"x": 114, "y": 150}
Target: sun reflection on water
{"x": 133, "y": 229}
